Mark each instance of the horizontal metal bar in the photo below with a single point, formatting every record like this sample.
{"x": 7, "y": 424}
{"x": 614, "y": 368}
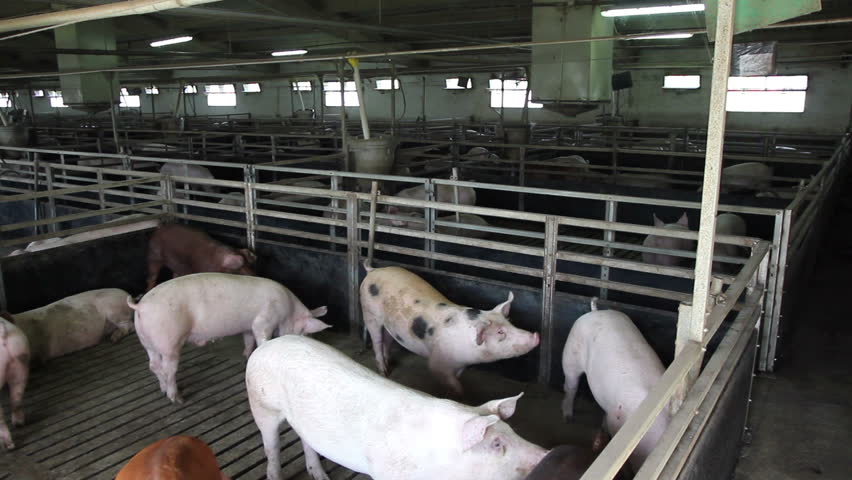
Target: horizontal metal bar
{"x": 64, "y": 191}
{"x": 74, "y": 231}
{"x": 443, "y": 257}
{"x": 78, "y": 216}
{"x": 624, "y": 287}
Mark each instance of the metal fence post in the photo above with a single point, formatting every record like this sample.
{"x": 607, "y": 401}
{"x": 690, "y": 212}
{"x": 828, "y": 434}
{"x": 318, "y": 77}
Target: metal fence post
{"x": 274, "y": 143}
{"x": 101, "y": 195}
{"x": 545, "y": 351}
{"x": 354, "y": 259}
{"x": 51, "y": 201}
{"x": 429, "y": 217}
{"x": 609, "y": 237}
{"x": 335, "y": 204}
{"x": 167, "y": 192}
{"x": 249, "y": 175}
{"x": 777, "y": 275}
{"x": 522, "y": 178}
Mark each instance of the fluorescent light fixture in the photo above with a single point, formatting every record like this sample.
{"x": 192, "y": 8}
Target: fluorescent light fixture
{"x": 289, "y": 53}
{"x": 171, "y": 41}
{"x": 663, "y": 36}
{"x": 629, "y": 12}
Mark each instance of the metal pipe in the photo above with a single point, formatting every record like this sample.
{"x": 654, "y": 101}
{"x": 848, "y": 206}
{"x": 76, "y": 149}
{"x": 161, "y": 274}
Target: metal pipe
{"x": 371, "y": 239}
{"x": 118, "y": 9}
{"x": 359, "y": 90}
{"x": 343, "y": 134}
{"x": 393, "y": 99}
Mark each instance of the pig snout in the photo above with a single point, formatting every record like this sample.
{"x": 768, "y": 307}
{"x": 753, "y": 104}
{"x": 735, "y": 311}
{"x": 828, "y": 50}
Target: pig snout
{"x": 530, "y": 459}
{"x": 526, "y": 342}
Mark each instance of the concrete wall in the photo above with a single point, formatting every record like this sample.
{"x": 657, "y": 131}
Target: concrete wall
{"x": 646, "y": 104}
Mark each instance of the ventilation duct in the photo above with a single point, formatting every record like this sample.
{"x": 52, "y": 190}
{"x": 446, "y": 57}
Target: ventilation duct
{"x": 90, "y": 92}
{"x": 576, "y": 77}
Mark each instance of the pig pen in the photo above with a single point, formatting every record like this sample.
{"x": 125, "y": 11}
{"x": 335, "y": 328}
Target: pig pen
{"x": 89, "y": 412}
{"x": 320, "y": 275}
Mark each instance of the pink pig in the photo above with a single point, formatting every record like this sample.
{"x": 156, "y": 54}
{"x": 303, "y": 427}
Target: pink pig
{"x": 14, "y": 370}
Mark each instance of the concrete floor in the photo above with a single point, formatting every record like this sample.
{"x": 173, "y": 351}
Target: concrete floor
{"x": 801, "y": 416}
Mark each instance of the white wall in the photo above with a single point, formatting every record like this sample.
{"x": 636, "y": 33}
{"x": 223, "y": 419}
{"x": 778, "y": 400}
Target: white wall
{"x": 647, "y": 104}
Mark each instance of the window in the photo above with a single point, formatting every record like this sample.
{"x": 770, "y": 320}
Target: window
{"x": 780, "y": 93}
{"x": 332, "y": 94}
{"x": 56, "y": 99}
{"x": 221, "y": 95}
{"x": 251, "y": 87}
{"x": 511, "y": 95}
{"x": 5, "y": 100}
{"x": 682, "y": 82}
{"x": 152, "y": 90}
{"x": 305, "y": 86}
{"x": 38, "y": 93}
{"x": 126, "y": 100}
{"x": 459, "y": 83}
{"x": 190, "y": 89}
{"x": 385, "y": 84}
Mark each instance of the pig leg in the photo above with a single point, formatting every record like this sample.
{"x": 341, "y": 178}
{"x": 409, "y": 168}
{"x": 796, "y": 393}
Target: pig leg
{"x": 572, "y": 366}
{"x": 155, "y": 364}
{"x": 268, "y": 423}
{"x": 312, "y": 461}
{"x": 374, "y": 326}
{"x": 122, "y": 328}
{"x": 18, "y": 372}
{"x": 446, "y": 374}
{"x": 263, "y": 328}
{"x": 248, "y": 341}
{"x": 387, "y": 342}
{"x": 169, "y": 369}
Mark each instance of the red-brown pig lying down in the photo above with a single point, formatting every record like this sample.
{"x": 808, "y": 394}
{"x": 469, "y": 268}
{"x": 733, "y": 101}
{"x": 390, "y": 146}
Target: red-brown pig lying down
{"x": 187, "y": 250}
{"x": 174, "y": 458}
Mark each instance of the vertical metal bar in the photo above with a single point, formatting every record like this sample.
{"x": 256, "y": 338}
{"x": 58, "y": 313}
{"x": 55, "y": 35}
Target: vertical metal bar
{"x": 343, "y": 134}
{"x": 335, "y": 203}
{"x": 167, "y": 192}
{"x": 36, "y": 205}
{"x": 609, "y": 237}
{"x": 112, "y": 118}
{"x": 101, "y": 195}
{"x": 354, "y": 257}
{"x": 545, "y": 350}
{"x": 771, "y": 340}
{"x": 249, "y": 176}
{"x": 522, "y": 178}
{"x": 615, "y": 135}
{"x": 322, "y": 100}
{"x": 273, "y": 141}
{"x": 712, "y": 169}
{"x": 204, "y": 145}
{"x": 371, "y": 238}
{"x": 51, "y": 201}
{"x": 455, "y": 176}
{"x": 423, "y": 101}
{"x": 393, "y": 99}
{"x": 429, "y": 217}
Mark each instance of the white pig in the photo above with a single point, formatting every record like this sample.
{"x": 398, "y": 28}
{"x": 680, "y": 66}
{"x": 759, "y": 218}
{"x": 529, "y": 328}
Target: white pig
{"x": 418, "y": 223}
{"x": 646, "y": 180}
{"x": 76, "y": 322}
{"x": 352, "y": 416}
{"x": 621, "y": 369}
{"x": 728, "y": 224}
{"x": 747, "y": 176}
{"x": 399, "y": 305}
{"x": 187, "y": 170}
{"x": 444, "y": 194}
{"x": 202, "y": 307}
{"x": 657, "y": 241}
{"x": 14, "y": 371}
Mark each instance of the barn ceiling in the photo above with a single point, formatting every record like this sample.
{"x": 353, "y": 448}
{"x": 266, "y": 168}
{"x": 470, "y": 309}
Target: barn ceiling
{"x": 247, "y": 29}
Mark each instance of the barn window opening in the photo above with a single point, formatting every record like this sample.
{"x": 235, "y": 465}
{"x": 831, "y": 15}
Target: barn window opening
{"x": 510, "y": 94}
{"x": 5, "y": 100}
{"x": 332, "y": 94}
{"x": 777, "y": 93}
{"x": 56, "y": 100}
{"x": 251, "y": 87}
{"x": 458, "y": 83}
{"x": 126, "y": 100}
{"x": 682, "y": 82}
{"x": 385, "y": 84}
{"x": 152, "y": 90}
{"x": 221, "y": 95}
{"x": 302, "y": 86}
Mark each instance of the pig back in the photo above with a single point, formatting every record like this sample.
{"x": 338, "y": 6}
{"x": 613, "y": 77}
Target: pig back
{"x": 346, "y": 412}
{"x": 174, "y": 458}
{"x": 206, "y": 306}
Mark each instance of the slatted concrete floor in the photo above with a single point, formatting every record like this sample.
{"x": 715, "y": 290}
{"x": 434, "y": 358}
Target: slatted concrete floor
{"x": 89, "y": 412}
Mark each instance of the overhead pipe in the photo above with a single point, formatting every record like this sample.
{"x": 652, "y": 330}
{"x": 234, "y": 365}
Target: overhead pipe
{"x": 118, "y": 9}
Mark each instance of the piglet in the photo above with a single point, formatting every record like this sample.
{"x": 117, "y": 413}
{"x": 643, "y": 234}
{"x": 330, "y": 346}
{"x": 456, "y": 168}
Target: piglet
{"x": 621, "y": 369}
{"x": 671, "y": 243}
{"x": 14, "y": 371}
{"x": 76, "y": 322}
{"x": 174, "y": 458}
{"x": 202, "y": 307}
{"x": 369, "y": 424}
{"x": 186, "y": 250}
{"x": 399, "y": 305}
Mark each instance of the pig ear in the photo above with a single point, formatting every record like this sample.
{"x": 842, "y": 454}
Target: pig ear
{"x": 233, "y": 261}
{"x": 683, "y": 220}
{"x": 474, "y": 430}
{"x": 503, "y": 408}
{"x": 313, "y": 325}
{"x": 481, "y": 329}
{"x": 249, "y": 255}
{"x": 319, "y": 311}
{"x": 504, "y": 307}
{"x": 657, "y": 221}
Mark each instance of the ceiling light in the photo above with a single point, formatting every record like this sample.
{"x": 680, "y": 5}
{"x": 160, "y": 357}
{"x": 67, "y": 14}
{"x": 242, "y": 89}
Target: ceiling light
{"x": 171, "y": 41}
{"x": 288, "y": 53}
{"x": 629, "y": 12}
{"x": 663, "y": 36}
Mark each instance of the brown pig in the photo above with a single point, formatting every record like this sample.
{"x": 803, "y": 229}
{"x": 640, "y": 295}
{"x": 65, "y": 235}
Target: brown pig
{"x": 174, "y": 458}
{"x": 187, "y": 250}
